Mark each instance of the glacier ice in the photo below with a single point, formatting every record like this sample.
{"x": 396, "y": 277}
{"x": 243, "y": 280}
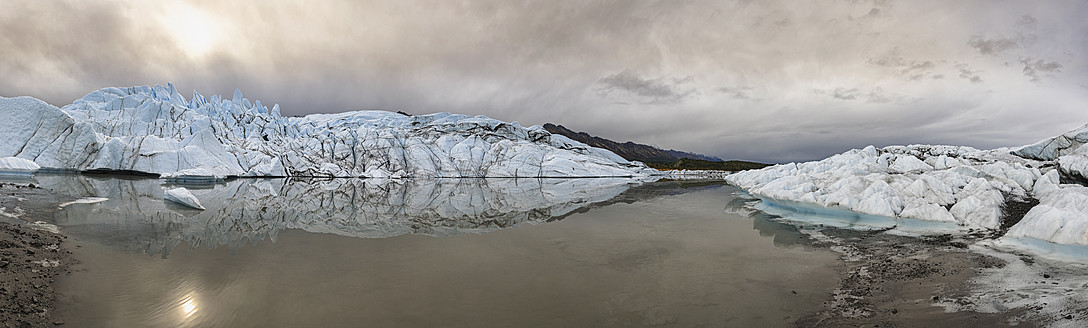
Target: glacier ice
{"x": 965, "y": 186}
{"x": 939, "y": 183}
{"x": 182, "y": 196}
{"x": 156, "y": 130}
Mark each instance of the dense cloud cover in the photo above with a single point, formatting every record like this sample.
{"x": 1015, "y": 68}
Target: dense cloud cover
{"x": 764, "y": 80}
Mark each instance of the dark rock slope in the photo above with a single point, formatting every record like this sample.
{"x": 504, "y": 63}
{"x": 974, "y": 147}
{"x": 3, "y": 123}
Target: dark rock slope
{"x": 629, "y": 150}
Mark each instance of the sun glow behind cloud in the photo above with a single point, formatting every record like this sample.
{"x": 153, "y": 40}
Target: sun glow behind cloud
{"x": 196, "y": 32}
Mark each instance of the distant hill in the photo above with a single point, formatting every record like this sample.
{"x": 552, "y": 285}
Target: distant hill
{"x": 698, "y": 164}
{"x": 654, "y": 157}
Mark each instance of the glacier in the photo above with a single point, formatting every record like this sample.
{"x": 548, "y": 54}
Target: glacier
{"x": 969, "y": 188}
{"x": 155, "y": 130}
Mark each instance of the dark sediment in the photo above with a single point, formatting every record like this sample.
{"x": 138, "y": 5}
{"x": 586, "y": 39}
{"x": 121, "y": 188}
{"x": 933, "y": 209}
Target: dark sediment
{"x": 1013, "y": 211}
{"x": 30, "y": 259}
{"x": 894, "y": 281}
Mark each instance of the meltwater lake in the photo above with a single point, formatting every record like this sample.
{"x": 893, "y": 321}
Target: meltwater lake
{"x": 427, "y": 253}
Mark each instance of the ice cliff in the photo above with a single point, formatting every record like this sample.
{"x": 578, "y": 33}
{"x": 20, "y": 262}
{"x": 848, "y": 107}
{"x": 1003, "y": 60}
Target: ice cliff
{"x": 156, "y": 130}
{"x": 971, "y": 188}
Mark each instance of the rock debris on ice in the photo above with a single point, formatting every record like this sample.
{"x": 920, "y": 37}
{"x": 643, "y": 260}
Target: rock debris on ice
{"x": 156, "y": 130}
{"x": 969, "y": 187}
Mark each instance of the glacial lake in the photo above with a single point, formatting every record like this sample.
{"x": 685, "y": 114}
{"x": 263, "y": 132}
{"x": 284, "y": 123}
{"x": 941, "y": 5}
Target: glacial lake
{"x": 431, "y": 253}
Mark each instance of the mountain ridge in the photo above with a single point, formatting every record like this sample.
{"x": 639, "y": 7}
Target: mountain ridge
{"x": 629, "y": 150}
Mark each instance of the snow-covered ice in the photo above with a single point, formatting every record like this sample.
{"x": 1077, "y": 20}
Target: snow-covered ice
{"x": 967, "y": 187}
{"x": 156, "y": 130}
{"x": 182, "y": 196}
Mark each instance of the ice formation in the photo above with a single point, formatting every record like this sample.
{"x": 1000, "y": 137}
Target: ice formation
{"x": 182, "y": 196}
{"x": 156, "y": 130}
{"x": 17, "y": 166}
{"x": 968, "y": 187}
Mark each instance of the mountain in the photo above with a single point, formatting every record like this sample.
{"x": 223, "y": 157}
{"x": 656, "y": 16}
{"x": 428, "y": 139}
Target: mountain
{"x": 628, "y": 150}
{"x": 155, "y": 130}
{"x": 655, "y": 157}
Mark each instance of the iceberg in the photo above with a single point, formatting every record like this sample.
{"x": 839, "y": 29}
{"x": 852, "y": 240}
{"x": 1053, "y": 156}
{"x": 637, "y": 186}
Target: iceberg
{"x": 970, "y": 188}
{"x": 182, "y": 196}
{"x": 156, "y": 130}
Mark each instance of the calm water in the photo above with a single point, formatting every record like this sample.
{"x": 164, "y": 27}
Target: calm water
{"x": 461, "y": 253}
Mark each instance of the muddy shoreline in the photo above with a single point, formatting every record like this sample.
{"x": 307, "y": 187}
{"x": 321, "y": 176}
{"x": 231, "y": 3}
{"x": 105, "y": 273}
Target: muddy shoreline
{"x": 895, "y": 281}
{"x": 32, "y": 257}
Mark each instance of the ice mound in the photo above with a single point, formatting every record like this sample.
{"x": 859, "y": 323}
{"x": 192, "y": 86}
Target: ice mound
{"x": 968, "y": 187}
{"x": 182, "y": 196}
{"x": 156, "y": 130}
{"x": 938, "y": 183}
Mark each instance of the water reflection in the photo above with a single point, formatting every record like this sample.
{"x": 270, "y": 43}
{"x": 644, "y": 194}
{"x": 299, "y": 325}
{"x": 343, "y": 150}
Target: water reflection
{"x": 625, "y": 254}
{"x": 245, "y": 211}
{"x": 768, "y": 225}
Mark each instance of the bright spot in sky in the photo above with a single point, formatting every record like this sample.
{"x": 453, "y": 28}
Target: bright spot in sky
{"x": 195, "y": 32}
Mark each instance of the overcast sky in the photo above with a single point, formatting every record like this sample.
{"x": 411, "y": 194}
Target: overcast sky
{"x": 773, "y": 81}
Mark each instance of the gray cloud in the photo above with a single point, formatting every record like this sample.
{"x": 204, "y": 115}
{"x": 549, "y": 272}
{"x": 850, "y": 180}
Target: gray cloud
{"x": 968, "y": 74}
{"x": 659, "y": 90}
{"x": 916, "y": 70}
{"x": 1032, "y": 68}
{"x": 872, "y": 96}
{"x": 739, "y": 92}
{"x": 1027, "y": 21}
{"x": 733, "y": 79}
{"x": 992, "y": 46}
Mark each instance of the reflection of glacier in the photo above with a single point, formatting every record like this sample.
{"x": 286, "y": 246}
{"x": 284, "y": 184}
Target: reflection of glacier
{"x": 249, "y": 210}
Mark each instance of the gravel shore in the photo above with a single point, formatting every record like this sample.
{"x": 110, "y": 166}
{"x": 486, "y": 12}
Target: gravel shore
{"x": 31, "y": 258}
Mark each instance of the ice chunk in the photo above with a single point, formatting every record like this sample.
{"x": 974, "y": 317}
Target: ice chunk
{"x": 17, "y": 166}
{"x": 183, "y": 196}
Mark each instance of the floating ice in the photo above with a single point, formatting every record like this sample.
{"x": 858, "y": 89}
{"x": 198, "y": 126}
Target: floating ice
{"x": 85, "y": 200}
{"x": 182, "y": 196}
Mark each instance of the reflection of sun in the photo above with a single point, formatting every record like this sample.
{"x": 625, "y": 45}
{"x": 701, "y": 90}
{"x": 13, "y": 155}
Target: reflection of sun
{"x": 195, "y": 32}
{"x": 188, "y": 306}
